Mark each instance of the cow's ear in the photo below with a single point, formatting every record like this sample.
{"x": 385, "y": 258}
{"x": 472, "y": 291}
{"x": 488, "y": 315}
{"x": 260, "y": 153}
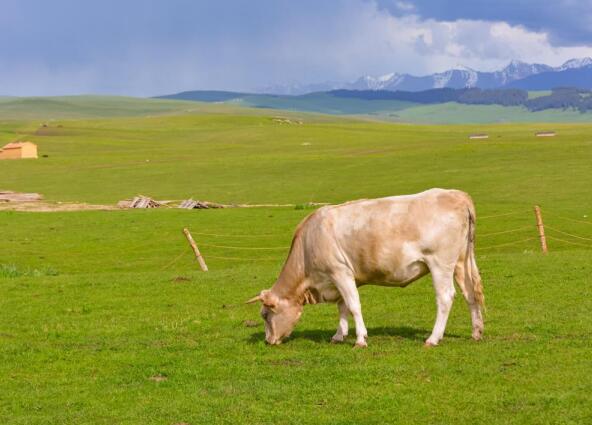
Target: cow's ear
{"x": 269, "y": 299}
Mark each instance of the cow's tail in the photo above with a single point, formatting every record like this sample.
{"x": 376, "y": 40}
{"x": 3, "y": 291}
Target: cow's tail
{"x": 472, "y": 271}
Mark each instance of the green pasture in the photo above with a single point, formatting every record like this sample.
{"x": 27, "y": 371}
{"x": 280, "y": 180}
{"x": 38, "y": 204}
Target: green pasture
{"x": 105, "y": 317}
{"x": 52, "y": 108}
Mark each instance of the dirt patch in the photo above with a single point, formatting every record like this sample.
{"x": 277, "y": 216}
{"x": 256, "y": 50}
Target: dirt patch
{"x": 180, "y": 279}
{"x": 39, "y": 206}
{"x": 17, "y": 201}
{"x": 9, "y": 196}
{"x": 50, "y": 131}
{"x": 158, "y": 378}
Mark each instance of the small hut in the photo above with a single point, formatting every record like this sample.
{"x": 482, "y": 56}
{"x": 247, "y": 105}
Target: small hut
{"x": 19, "y": 150}
{"x": 479, "y": 136}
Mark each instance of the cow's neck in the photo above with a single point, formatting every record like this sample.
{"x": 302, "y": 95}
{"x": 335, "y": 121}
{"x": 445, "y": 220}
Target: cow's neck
{"x": 291, "y": 283}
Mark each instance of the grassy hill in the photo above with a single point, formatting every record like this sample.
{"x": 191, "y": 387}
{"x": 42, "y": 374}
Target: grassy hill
{"x": 59, "y": 107}
{"x": 208, "y": 102}
{"x": 392, "y": 110}
{"x": 457, "y": 113}
{"x": 105, "y": 319}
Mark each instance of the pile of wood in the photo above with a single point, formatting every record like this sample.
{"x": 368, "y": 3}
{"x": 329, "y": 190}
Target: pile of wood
{"x": 9, "y": 196}
{"x": 190, "y": 204}
{"x": 139, "y": 201}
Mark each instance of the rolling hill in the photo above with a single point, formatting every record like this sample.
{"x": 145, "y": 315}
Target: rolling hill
{"x": 385, "y": 106}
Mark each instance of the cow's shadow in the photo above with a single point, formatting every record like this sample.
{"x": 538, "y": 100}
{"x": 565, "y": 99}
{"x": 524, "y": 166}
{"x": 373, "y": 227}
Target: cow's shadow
{"x": 324, "y": 335}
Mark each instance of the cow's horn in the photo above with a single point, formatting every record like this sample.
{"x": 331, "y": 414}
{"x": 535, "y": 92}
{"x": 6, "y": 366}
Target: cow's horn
{"x": 254, "y": 299}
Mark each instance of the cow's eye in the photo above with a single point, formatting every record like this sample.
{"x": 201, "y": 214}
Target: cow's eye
{"x": 264, "y": 315}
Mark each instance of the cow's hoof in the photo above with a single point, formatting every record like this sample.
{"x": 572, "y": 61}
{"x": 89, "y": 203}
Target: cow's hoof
{"x": 477, "y": 334}
{"x": 337, "y": 340}
{"x": 361, "y": 345}
{"x": 429, "y": 344}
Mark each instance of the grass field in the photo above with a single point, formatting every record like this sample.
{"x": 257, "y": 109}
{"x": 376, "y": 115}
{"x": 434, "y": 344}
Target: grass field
{"x": 105, "y": 319}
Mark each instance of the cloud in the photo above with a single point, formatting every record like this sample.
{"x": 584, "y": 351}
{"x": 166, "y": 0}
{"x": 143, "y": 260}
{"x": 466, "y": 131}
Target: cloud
{"x": 154, "y": 47}
{"x": 567, "y": 22}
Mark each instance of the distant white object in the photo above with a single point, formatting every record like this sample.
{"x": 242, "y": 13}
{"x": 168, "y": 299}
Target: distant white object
{"x": 479, "y": 136}
{"x": 305, "y": 144}
{"x": 545, "y": 134}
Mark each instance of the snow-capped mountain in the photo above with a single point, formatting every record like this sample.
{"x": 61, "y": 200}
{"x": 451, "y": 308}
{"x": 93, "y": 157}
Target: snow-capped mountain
{"x": 375, "y": 83}
{"x": 575, "y": 63}
{"x": 461, "y": 77}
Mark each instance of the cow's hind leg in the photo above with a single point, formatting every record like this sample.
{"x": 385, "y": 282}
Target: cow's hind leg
{"x": 346, "y": 285}
{"x": 444, "y": 288}
{"x": 342, "y": 329}
{"x": 463, "y": 280}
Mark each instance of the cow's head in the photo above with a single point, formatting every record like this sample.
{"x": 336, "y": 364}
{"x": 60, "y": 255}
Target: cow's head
{"x": 279, "y": 314}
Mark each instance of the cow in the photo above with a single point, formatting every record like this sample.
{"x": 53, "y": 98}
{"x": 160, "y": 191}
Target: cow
{"x": 390, "y": 241}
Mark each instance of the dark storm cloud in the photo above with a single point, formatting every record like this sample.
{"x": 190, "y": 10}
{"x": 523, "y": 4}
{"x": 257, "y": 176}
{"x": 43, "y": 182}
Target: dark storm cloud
{"x": 150, "y": 47}
{"x": 568, "y": 22}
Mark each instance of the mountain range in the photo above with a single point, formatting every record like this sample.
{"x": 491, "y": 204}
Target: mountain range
{"x": 517, "y": 74}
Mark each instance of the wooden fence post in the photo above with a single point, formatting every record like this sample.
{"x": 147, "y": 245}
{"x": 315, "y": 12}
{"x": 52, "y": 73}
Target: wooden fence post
{"x": 541, "y": 228}
{"x": 200, "y": 259}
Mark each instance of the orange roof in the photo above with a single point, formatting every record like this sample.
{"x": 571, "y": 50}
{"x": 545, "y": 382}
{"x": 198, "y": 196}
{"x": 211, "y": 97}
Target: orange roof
{"x": 15, "y": 145}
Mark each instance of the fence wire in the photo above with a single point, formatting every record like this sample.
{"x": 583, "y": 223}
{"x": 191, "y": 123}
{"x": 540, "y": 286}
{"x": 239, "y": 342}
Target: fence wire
{"x": 532, "y": 227}
{"x": 567, "y": 234}
{"x": 506, "y": 231}
{"x": 506, "y": 244}
{"x": 569, "y": 242}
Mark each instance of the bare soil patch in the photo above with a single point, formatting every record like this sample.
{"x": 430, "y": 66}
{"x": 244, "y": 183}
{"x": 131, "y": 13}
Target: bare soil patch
{"x": 41, "y": 206}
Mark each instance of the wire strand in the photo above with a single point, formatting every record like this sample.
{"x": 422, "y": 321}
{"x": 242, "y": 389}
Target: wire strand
{"x": 506, "y": 231}
{"x": 569, "y": 242}
{"x": 241, "y": 259}
{"x": 245, "y": 247}
{"x": 175, "y": 259}
{"x": 500, "y": 215}
{"x": 567, "y": 234}
{"x": 568, "y": 218}
{"x": 506, "y": 244}
{"x": 236, "y": 236}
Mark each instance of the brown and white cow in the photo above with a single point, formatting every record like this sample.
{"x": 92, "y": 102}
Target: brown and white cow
{"x": 388, "y": 241}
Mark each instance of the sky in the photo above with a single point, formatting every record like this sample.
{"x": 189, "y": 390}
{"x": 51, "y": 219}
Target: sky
{"x": 153, "y": 47}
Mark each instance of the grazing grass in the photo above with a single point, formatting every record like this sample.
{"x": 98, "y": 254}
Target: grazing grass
{"x": 105, "y": 319}
{"x": 253, "y": 159}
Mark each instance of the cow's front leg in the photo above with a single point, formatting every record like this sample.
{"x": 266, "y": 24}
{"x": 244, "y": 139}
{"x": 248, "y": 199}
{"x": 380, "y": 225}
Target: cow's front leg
{"x": 342, "y": 329}
{"x": 346, "y": 285}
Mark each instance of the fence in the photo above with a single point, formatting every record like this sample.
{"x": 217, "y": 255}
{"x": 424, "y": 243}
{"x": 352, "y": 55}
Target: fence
{"x": 523, "y": 236}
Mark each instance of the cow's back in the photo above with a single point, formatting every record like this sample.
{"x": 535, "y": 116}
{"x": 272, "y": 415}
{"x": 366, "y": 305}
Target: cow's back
{"x": 387, "y": 239}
